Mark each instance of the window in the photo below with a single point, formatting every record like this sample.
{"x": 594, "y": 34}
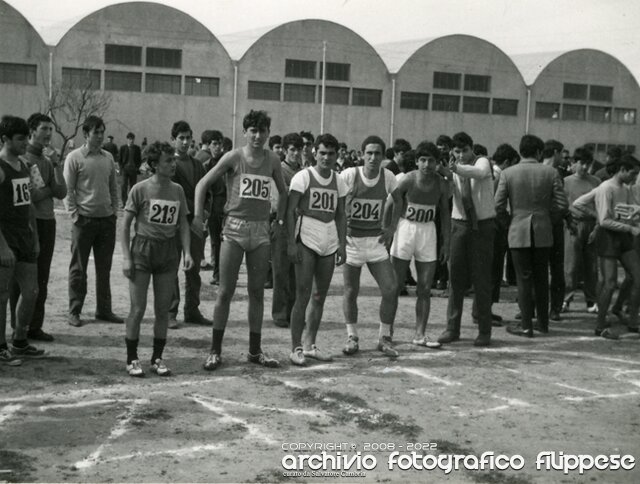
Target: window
{"x": 18, "y": 74}
{"x": 162, "y": 83}
{"x": 300, "y": 68}
{"x": 574, "y": 112}
{"x": 574, "y": 91}
{"x": 269, "y": 91}
{"x": 300, "y": 93}
{"x": 157, "y": 57}
{"x": 366, "y": 97}
{"x": 475, "y": 105}
{"x": 547, "y": 110}
{"x": 601, "y": 93}
{"x": 128, "y": 55}
{"x": 201, "y": 86}
{"x": 442, "y": 102}
{"x": 446, "y": 80}
{"x": 598, "y": 114}
{"x": 625, "y": 116}
{"x": 122, "y": 81}
{"x": 506, "y": 107}
{"x": 477, "y": 83}
{"x": 414, "y": 100}
{"x": 80, "y": 78}
{"x": 337, "y": 71}
{"x": 336, "y": 95}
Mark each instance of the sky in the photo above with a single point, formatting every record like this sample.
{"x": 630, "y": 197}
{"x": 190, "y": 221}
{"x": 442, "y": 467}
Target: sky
{"x": 515, "y": 26}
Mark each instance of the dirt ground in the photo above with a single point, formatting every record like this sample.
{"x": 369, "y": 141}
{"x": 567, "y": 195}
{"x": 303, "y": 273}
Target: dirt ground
{"x": 76, "y": 416}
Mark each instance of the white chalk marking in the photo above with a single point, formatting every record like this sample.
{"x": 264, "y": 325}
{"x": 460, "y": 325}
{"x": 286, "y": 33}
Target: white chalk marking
{"x": 174, "y": 452}
{"x": 596, "y": 397}
{"x": 89, "y": 403}
{"x": 293, "y": 411}
{"x": 578, "y": 389}
{"x": 420, "y": 391}
{"x": 252, "y": 430}
{"x": 513, "y": 402}
{"x": 573, "y": 354}
{"x": 321, "y": 367}
{"x": 422, "y": 374}
{"x": 427, "y": 355}
{"x": 293, "y": 384}
{"x": 7, "y": 412}
{"x": 119, "y": 430}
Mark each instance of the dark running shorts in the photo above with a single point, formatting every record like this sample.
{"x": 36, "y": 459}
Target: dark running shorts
{"x": 155, "y": 256}
{"x": 610, "y": 243}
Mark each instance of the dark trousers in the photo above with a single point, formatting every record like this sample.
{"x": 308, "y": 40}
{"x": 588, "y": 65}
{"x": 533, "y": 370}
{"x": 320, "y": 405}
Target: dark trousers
{"x": 284, "y": 278}
{"x": 532, "y": 273}
{"x": 470, "y": 256}
{"x": 442, "y": 269}
{"x": 47, "y": 240}
{"x": 99, "y": 235}
{"x": 192, "y": 281}
{"x": 556, "y": 262}
{"x": 500, "y": 246}
{"x": 215, "y": 235}
{"x": 128, "y": 180}
{"x": 580, "y": 258}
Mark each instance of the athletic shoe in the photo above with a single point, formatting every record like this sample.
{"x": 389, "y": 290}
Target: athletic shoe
{"x": 262, "y": 359}
{"x": 316, "y": 354}
{"x": 213, "y": 361}
{"x": 173, "y": 323}
{"x": 159, "y": 368}
{"x": 8, "y": 358}
{"x": 74, "y": 320}
{"x": 39, "y": 335}
{"x": 29, "y": 351}
{"x": 297, "y": 357}
{"x": 385, "y": 344}
{"x": 352, "y": 347}
{"x": 426, "y": 342}
{"x": 606, "y": 333}
{"x": 135, "y": 369}
{"x": 593, "y": 309}
{"x": 565, "y": 307}
{"x": 109, "y": 318}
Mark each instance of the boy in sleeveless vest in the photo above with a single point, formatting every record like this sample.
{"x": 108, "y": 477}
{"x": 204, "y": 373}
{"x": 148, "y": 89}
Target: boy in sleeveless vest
{"x": 248, "y": 172}
{"x": 316, "y": 243}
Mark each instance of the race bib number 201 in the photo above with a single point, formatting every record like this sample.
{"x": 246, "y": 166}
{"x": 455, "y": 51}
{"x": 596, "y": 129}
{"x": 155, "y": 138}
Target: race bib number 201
{"x": 323, "y": 200}
{"x": 21, "y": 191}
{"x": 366, "y": 209}
{"x": 255, "y": 186}
{"x": 163, "y": 212}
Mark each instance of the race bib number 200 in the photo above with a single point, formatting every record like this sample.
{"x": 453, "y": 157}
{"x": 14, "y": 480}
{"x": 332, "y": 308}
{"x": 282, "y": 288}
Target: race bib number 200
{"x": 21, "y": 191}
{"x": 163, "y": 212}
{"x": 366, "y": 209}
{"x": 420, "y": 213}
{"x": 255, "y": 186}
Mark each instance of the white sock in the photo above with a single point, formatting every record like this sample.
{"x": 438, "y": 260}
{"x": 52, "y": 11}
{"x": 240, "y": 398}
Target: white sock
{"x": 385, "y": 330}
{"x": 352, "y": 330}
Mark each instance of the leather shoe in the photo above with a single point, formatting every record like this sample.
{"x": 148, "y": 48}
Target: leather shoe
{"x": 541, "y": 329}
{"x": 482, "y": 340}
{"x": 197, "y": 319}
{"x": 448, "y": 337}
{"x": 110, "y": 318}
{"x": 280, "y": 323}
{"x": 520, "y": 331}
{"x": 74, "y": 320}
{"x": 39, "y": 335}
{"x": 554, "y": 315}
{"x": 496, "y": 317}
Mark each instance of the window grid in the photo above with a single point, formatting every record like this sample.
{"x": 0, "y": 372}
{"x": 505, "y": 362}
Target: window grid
{"x": 162, "y": 83}
{"x": 505, "y": 107}
{"x": 547, "y": 110}
{"x": 301, "y": 93}
{"x": 337, "y": 71}
{"x": 366, "y": 97}
{"x": 336, "y": 95}
{"x": 574, "y": 112}
{"x": 473, "y": 82}
{"x": 601, "y": 93}
{"x": 414, "y": 100}
{"x": 446, "y": 80}
{"x": 80, "y": 78}
{"x": 201, "y": 86}
{"x": 300, "y": 68}
{"x": 267, "y": 91}
{"x": 128, "y": 55}
{"x": 443, "y": 102}
{"x": 122, "y": 81}
{"x": 574, "y": 91}
{"x": 167, "y": 58}
{"x": 478, "y": 105}
{"x": 625, "y": 115}
{"x": 11, "y": 73}
{"x": 598, "y": 114}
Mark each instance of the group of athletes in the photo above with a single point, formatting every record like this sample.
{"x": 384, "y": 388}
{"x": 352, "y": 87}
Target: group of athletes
{"x": 326, "y": 213}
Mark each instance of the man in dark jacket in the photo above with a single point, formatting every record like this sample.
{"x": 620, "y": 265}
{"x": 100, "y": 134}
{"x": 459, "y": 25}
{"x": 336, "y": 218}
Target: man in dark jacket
{"x": 129, "y": 160}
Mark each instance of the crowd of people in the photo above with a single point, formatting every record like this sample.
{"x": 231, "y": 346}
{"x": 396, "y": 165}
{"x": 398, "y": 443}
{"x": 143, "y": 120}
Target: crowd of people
{"x": 296, "y": 206}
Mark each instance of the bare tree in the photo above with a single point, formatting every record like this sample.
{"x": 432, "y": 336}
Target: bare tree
{"x": 69, "y": 106}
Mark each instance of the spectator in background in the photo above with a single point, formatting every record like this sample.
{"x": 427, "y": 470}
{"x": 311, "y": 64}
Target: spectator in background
{"x": 441, "y": 278}
{"x": 344, "y": 161}
{"x": 111, "y": 147}
{"x": 227, "y": 145}
{"x": 129, "y": 160}
{"x": 307, "y": 149}
{"x": 613, "y": 155}
{"x": 275, "y": 145}
{"x": 480, "y": 150}
{"x": 400, "y": 147}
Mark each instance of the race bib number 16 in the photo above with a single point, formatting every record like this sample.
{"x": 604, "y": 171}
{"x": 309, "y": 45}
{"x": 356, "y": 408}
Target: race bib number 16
{"x": 163, "y": 212}
{"x": 255, "y": 186}
{"x": 21, "y": 191}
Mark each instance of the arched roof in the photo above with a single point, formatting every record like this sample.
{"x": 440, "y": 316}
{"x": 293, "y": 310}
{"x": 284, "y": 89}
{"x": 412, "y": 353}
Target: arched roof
{"x": 8, "y": 25}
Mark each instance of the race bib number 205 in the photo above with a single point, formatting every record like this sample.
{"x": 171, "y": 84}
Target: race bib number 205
{"x": 163, "y": 212}
{"x": 255, "y": 186}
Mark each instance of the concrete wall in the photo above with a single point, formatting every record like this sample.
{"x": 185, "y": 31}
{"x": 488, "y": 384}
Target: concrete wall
{"x": 465, "y": 55}
{"x": 302, "y": 40}
{"x": 152, "y": 25}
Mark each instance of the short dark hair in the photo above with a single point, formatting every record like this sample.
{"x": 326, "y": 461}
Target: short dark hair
{"x": 583, "y": 155}
{"x": 444, "y": 140}
{"x": 550, "y": 147}
{"x": 530, "y": 146}
{"x": 343, "y": 146}
{"x": 256, "y": 119}
{"x": 373, "y": 140}
{"x": 628, "y": 162}
{"x": 480, "y": 150}
{"x": 401, "y": 144}
{"x": 91, "y": 123}
{"x": 389, "y": 153}
{"x": 328, "y": 140}
{"x": 154, "y": 151}
{"x": 35, "y": 119}
{"x": 505, "y": 152}
{"x": 308, "y": 135}
{"x": 210, "y": 135}
{"x": 427, "y": 148}
{"x": 13, "y": 125}
{"x": 614, "y": 152}
{"x": 227, "y": 144}
{"x": 462, "y": 139}
{"x": 130, "y": 135}
{"x": 292, "y": 139}
{"x": 276, "y": 139}
{"x": 180, "y": 127}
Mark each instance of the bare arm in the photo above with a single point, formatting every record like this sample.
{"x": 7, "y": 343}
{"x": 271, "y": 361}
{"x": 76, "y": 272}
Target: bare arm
{"x": 125, "y": 242}
{"x": 282, "y": 189}
{"x": 290, "y": 222}
{"x": 481, "y": 169}
{"x": 226, "y": 163}
{"x": 341, "y": 225}
{"x": 70, "y": 179}
{"x": 445, "y": 226}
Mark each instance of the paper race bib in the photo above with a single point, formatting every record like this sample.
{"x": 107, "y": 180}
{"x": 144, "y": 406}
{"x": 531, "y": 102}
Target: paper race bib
{"x": 323, "y": 200}
{"x": 36, "y": 177}
{"x": 163, "y": 212}
{"x": 366, "y": 209}
{"x": 420, "y": 213}
{"x": 255, "y": 186}
{"x": 21, "y": 191}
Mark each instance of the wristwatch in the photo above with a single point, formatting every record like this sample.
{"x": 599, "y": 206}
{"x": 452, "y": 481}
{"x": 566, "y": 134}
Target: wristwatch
{"x": 280, "y": 222}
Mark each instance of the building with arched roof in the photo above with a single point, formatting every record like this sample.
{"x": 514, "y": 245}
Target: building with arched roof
{"x": 24, "y": 64}
{"x": 158, "y": 64}
{"x": 456, "y": 83}
{"x": 582, "y": 97}
{"x": 282, "y": 73}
